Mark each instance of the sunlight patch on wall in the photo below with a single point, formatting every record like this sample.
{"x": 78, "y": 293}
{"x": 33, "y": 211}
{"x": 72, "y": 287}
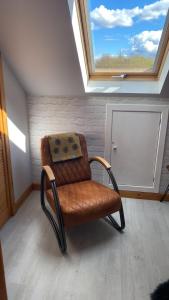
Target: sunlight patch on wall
{"x": 16, "y": 136}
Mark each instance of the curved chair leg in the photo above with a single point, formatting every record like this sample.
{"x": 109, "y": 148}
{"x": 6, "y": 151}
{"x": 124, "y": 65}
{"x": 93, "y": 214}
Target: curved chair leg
{"x": 165, "y": 194}
{"x": 121, "y": 212}
{"x": 58, "y": 229}
{"x": 114, "y": 223}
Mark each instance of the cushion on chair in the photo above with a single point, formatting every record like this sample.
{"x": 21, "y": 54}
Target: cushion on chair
{"x": 64, "y": 146}
{"x": 85, "y": 201}
{"x": 69, "y": 171}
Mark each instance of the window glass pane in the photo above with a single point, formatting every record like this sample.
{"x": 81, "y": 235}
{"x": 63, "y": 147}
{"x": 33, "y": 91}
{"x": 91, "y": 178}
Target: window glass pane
{"x": 125, "y": 34}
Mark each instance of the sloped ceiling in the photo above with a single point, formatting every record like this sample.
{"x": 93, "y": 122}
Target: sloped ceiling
{"x": 36, "y": 37}
{"x": 37, "y": 40}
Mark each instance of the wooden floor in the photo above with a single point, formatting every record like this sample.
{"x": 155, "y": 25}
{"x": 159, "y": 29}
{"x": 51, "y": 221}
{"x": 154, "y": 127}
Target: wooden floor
{"x": 101, "y": 263}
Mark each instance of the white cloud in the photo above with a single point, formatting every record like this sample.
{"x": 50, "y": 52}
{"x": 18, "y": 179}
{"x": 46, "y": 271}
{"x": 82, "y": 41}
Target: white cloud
{"x": 146, "y": 41}
{"x": 109, "y": 38}
{"x": 110, "y": 18}
{"x": 103, "y": 17}
{"x": 97, "y": 56}
{"x": 155, "y": 10}
{"x": 93, "y": 26}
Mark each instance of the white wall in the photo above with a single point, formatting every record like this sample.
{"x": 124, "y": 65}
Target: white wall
{"x": 86, "y": 115}
{"x": 16, "y": 106}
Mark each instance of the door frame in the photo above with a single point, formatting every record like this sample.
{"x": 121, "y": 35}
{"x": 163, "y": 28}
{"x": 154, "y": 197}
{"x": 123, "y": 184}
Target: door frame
{"x": 6, "y": 151}
{"x": 163, "y": 109}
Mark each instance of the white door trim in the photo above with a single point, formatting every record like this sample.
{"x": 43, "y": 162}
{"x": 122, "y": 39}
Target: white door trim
{"x": 163, "y": 109}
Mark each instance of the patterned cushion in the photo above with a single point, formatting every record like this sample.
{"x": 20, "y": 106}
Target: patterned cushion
{"x": 64, "y": 146}
{"x": 67, "y": 171}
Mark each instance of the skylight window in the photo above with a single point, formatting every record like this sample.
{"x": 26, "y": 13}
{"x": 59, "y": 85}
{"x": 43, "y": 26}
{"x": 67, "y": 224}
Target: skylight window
{"x": 125, "y": 38}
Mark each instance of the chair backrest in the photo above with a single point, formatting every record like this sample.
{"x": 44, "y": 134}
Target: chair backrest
{"x": 69, "y": 171}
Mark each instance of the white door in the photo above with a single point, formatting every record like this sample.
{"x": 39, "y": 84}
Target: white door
{"x": 136, "y": 144}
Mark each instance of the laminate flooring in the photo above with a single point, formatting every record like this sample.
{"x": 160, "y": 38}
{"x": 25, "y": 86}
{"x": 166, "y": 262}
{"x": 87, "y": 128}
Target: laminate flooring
{"x": 100, "y": 263}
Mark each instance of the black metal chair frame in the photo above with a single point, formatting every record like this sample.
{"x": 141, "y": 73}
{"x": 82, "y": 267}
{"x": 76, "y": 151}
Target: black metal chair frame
{"x": 165, "y": 194}
{"x": 58, "y": 226}
{"x": 166, "y": 190}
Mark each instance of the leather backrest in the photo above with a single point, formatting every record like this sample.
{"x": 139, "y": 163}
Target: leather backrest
{"x": 69, "y": 171}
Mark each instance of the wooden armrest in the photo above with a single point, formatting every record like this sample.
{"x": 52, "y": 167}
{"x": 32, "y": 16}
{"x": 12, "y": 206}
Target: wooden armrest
{"x": 49, "y": 173}
{"x": 100, "y": 160}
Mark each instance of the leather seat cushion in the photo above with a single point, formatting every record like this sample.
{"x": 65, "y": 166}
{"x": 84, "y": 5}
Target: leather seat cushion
{"x": 85, "y": 201}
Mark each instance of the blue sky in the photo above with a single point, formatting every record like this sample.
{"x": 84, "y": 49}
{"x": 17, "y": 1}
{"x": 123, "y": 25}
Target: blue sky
{"x": 128, "y": 27}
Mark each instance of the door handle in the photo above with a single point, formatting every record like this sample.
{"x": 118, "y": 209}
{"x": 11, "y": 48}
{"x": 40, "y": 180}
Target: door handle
{"x": 114, "y": 147}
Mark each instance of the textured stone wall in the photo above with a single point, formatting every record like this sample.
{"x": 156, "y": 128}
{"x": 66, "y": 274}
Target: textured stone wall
{"x": 87, "y": 115}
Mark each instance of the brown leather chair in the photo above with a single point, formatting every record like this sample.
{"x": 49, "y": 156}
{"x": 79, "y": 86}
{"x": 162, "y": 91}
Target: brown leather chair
{"x": 73, "y": 196}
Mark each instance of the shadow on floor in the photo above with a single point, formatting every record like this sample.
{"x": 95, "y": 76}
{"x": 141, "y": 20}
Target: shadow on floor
{"x": 79, "y": 239}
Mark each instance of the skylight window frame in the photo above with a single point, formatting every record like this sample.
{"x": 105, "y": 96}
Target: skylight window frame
{"x": 163, "y": 49}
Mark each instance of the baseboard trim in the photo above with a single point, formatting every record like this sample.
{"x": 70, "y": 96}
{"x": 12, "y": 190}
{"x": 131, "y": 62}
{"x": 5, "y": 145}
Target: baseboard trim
{"x": 142, "y": 195}
{"x": 36, "y": 186}
{"x": 23, "y": 197}
{"x": 125, "y": 194}
{"x": 4, "y": 217}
